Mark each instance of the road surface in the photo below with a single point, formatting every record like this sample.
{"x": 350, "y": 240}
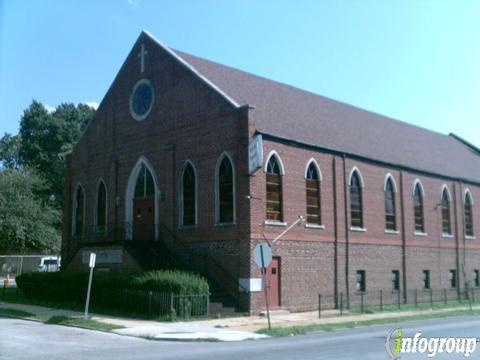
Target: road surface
{"x": 20, "y": 339}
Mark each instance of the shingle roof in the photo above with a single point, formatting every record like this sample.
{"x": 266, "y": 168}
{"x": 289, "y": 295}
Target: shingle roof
{"x": 288, "y": 112}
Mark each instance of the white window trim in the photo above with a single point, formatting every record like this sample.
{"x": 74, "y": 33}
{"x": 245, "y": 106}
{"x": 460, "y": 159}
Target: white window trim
{"x": 420, "y": 233}
{"x": 385, "y": 181}
{"x": 180, "y": 196}
{"x": 279, "y": 160}
{"x": 465, "y": 193}
{"x": 74, "y": 209}
{"x": 275, "y": 223}
{"x": 130, "y": 102}
{"x": 448, "y": 236}
{"x": 422, "y": 191}
{"x": 352, "y": 171}
{"x": 449, "y": 196}
{"x": 358, "y": 229}
{"x": 217, "y": 197}
{"x": 315, "y": 226}
{"x": 95, "y": 208}
{"x": 392, "y": 232}
{"x": 314, "y": 162}
{"x": 130, "y": 194}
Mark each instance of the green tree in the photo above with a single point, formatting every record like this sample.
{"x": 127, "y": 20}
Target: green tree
{"x": 26, "y": 222}
{"x": 9, "y": 151}
{"x": 46, "y": 138}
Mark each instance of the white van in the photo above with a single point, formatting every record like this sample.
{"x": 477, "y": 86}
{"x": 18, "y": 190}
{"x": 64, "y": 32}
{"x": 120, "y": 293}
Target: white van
{"x": 49, "y": 264}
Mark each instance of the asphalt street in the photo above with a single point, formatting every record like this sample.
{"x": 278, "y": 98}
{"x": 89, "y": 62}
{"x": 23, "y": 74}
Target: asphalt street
{"x": 21, "y": 339}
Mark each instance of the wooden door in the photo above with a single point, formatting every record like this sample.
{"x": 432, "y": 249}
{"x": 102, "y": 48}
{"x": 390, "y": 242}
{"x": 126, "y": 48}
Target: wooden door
{"x": 144, "y": 218}
{"x": 273, "y": 281}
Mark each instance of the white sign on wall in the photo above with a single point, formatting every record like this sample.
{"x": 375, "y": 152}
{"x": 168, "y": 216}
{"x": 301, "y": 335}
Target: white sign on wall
{"x": 103, "y": 256}
{"x": 250, "y": 285}
{"x": 255, "y": 154}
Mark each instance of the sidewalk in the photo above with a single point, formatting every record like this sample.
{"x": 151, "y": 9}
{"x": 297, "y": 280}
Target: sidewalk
{"x": 226, "y": 329}
{"x": 192, "y": 330}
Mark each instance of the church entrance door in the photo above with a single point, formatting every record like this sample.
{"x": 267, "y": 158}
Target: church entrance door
{"x": 144, "y": 218}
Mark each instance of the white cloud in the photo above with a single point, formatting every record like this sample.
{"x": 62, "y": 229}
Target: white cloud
{"x": 132, "y": 3}
{"x": 92, "y": 104}
{"x": 49, "y": 108}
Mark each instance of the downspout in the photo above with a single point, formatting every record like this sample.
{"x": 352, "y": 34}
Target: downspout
{"x": 347, "y": 234}
{"x": 457, "y": 242}
{"x": 462, "y": 199}
{"x": 335, "y": 228}
{"x": 404, "y": 240}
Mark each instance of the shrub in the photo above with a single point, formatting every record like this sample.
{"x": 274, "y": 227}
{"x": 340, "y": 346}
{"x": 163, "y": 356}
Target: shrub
{"x": 171, "y": 281}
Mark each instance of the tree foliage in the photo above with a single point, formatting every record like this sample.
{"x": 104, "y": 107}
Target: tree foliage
{"x": 46, "y": 138}
{"x": 27, "y": 223}
{"x": 32, "y": 173}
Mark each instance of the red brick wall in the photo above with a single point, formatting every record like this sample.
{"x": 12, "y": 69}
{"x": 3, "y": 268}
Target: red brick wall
{"x": 308, "y": 255}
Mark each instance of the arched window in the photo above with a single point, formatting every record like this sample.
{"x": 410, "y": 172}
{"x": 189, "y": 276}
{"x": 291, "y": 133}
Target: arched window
{"x": 445, "y": 201}
{"x": 390, "y": 211}
{"x": 467, "y": 209}
{"x": 313, "y": 195}
{"x": 78, "y": 212}
{"x": 418, "y": 208}
{"x": 356, "y": 207}
{"x": 188, "y": 209}
{"x": 225, "y": 192}
{"x": 274, "y": 190}
{"x": 101, "y": 209}
{"x": 144, "y": 187}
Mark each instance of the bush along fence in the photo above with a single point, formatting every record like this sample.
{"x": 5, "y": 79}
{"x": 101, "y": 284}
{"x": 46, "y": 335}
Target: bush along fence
{"x": 382, "y": 300}
{"x": 158, "y": 294}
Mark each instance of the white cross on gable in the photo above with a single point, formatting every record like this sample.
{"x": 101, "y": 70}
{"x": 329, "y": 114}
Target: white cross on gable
{"x": 141, "y": 55}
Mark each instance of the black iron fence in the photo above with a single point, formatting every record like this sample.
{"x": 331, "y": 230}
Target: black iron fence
{"x": 125, "y": 302}
{"x": 382, "y": 300}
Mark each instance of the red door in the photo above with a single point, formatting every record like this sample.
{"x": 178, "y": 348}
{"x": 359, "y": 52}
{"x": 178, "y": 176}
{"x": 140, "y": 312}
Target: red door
{"x": 273, "y": 283}
{"x": 144, "y": 219}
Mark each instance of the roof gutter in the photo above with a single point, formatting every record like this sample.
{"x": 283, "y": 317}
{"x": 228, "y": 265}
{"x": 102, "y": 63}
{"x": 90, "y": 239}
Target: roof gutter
{"x": 267, "y": 136}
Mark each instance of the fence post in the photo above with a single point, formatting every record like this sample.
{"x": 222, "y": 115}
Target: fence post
{"x": 416, "y": 298}
{"x": 319, "y": 306}
{"x": 445, "y": 295}
{"x": 208, "y": 304}
{"x": 381, "y": 300}
{"x": 171, "y": 306}
{"x": 431, "y": 298}
{"x": 150, "y": 303}
{"x": 398, "y": 299}
{"x": 341, "y": 303}
{"x": 362, "y": 306}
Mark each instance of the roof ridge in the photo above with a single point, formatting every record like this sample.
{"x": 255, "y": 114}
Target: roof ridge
{"x": 190, "y": 67}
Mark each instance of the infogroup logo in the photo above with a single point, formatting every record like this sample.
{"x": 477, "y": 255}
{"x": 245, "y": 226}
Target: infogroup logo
{"x": 397, "y": 343}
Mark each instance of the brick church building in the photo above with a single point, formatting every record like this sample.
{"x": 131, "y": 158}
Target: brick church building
{"x": 189, "y": 164}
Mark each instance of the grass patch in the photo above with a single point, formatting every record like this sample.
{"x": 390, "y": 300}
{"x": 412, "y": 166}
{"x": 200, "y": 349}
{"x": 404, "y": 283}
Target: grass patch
{"x": 15, "y": 313}
{"x": 79, "y": 322}
{"x": 304, "y": 329}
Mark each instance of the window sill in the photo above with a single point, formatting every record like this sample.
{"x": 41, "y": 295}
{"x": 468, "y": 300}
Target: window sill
{"x": 226, "y": 224}
{"x": 419, "y": 233}
{"x": 468, "y": 237}
{"x": 275, "y": 223}
{"x": 353, "y": 228}
{"x": 187, "y": 227}
{"x": 392, "y": 232}
{"x": 447, "y": 236}
{"x": 315, "y": 226}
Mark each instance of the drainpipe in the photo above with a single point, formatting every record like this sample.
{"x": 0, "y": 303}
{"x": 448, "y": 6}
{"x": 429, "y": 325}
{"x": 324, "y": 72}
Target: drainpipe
{"x": 335, "y": 227}
{"x": 404, "y": 240}
{"x": 347, "y": 233}
{"x": 457, "y": 242}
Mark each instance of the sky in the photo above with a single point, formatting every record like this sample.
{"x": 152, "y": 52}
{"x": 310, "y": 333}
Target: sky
{"x": 415, "y": 60}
